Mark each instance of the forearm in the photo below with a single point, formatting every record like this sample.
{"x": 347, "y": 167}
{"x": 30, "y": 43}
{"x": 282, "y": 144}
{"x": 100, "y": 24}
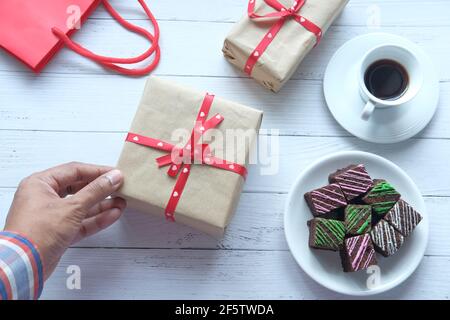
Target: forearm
{"x": 21, "y": 270}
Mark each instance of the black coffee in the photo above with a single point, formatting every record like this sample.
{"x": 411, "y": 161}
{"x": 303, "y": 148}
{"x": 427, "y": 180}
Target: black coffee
{"x": 386, "y": 79}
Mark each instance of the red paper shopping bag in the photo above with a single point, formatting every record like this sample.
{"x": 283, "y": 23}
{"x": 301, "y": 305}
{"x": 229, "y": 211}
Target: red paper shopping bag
{"x": 33, "y": 31}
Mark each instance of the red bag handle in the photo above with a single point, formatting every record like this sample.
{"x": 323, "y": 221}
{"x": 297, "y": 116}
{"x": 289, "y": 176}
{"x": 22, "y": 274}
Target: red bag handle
{"x": 109, "y": 62}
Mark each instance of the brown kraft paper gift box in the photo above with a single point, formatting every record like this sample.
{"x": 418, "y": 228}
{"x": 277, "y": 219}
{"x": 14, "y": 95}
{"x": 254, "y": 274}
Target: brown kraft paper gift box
{"x": 211, "y": 194}
{"x": 288, "y": 48}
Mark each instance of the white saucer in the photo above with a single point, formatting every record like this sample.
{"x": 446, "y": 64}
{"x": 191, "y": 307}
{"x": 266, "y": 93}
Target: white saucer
{"x": 388, "y": 125}
{"x": 325, "y": 266}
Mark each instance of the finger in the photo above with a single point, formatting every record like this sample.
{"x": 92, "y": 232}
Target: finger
{"x": 92, "y": 225}
{"x": 99, "y": 189}
{"x": 62, "y": 176}
{"x": 105, "y": 205}
{"x": 73, "y": 188}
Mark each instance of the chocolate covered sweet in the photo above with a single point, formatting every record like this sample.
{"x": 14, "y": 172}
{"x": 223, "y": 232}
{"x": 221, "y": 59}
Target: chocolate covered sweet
{"x": 326, "y": 199}
{"x": 327, "y": 234}
{"x": 403, "y": 217}
{"x": 358, "y": 253}
{"x": 353, "y": 180}
{"x": 358, "y": 219}
{"x": 382, "y": 197}
{"x": 386, "y": 239}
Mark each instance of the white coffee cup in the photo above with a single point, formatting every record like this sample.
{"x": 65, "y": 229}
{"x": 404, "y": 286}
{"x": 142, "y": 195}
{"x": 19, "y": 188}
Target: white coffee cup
{"x": 402, "y": 56}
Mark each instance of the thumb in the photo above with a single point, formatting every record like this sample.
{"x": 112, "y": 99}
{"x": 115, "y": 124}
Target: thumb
{"x": 99, "y": 189}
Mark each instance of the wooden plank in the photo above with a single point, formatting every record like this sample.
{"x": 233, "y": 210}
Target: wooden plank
{"x": 257, "y": 225}
{"x": 194, "y": 49}
{"x": 213, "y": 274}
{"x": 24, "y": 152}
{"x": 71, "y": 102}
{"x": 357, "y": 12}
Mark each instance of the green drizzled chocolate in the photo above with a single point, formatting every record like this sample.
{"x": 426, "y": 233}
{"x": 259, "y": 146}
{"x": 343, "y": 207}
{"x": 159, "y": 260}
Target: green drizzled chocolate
{"x": 382, "y": 208}
{"x": 358, "y": 219}
{"x": 382, "y": 189}
{"x": 382, "y": 197}
{"x": 326, "y": 234}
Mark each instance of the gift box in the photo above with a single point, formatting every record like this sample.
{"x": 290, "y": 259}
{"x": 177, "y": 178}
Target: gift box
{"x": 269, "y": 43}
{"x": 181, "y": 158}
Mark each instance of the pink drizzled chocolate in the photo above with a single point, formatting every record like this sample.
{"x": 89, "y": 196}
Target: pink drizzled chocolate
{"x": 326, "y": 199}
{"x": 358, "y": 253}
{"x": 353, "y": 180}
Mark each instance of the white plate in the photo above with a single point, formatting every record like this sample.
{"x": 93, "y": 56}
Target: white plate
{"x": 387, "y": 125}
{"x": 325, "y": 266}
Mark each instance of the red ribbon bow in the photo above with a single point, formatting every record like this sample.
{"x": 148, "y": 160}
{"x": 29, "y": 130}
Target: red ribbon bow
{"x": 180, "y": 160}
{"x": 282, "y": 13}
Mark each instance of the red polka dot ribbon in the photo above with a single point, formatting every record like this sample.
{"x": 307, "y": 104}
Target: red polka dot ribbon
{"x": 281, "y": 14}
{"x": 179, "y": 160}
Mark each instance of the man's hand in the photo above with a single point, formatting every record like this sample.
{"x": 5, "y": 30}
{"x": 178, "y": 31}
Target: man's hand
{"x": 42, "y": 211}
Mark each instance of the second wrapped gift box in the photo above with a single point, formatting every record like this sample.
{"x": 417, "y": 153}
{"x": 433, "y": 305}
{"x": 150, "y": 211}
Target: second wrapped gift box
{"x": 273, "y": 38}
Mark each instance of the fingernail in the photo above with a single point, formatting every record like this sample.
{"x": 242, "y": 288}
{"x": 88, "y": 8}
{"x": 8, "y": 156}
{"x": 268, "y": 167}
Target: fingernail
{"x": 121, "y": 203}
{"x": 116, "y": 213}
{"x": 115, "y": 177}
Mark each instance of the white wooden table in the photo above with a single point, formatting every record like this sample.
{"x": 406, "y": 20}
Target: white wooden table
{"x": 75, "y": 110}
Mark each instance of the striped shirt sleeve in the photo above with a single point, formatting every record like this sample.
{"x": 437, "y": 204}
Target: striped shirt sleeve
{"x": 21, "y": 274}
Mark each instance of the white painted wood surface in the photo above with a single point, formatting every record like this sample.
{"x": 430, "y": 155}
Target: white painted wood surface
{"x": 75, "y": 110}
